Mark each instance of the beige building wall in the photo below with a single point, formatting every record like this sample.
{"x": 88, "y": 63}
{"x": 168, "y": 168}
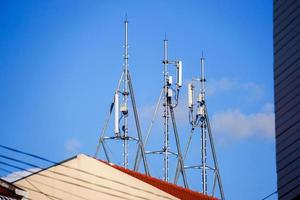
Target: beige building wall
{"x": 84, "y": 177}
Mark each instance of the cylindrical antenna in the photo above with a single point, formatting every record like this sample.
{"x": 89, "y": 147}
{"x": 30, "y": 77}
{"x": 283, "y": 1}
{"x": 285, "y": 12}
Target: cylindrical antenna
{"x": 166, "y": 52}
{"x": 116, "y": 102}
{"x": 190, "y": 95}
{"x": 126, "y": 46}
{"x": 202, "y": 79}
{"x": 179, "y": 73}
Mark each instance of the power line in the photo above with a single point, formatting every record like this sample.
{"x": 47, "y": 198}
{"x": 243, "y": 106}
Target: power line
{"x": 55, "y": 188}
{"x": 269, "y": 195}
{"x": 71, "y": 183}
{"x": 27, "y": 198}
{"x": 47, "y": 160}
{"x": 19, "y": 161}
{"x": 28, "y": 154}
{"x": 55, "y": 163}
{"x": 60, "y": 164}
{"x": 82, "y": 186}
{"x": 37, "y": 191}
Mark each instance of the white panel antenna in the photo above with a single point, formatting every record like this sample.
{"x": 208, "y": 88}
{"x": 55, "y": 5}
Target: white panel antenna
{"x": 116, "y": 103}
{"x": 190, "y": 95}
{"x": 179, "y": 73}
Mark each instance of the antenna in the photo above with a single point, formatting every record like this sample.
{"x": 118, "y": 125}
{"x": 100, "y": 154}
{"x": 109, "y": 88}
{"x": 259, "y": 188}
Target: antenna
{"x": 116, "y": 102}
{"x": 200, "y": 120}
{"x": 190, "y": 95}
{"x": 121, "y": 114}
{"x": 179, "y": 73}
{"x": 169, "y": 98}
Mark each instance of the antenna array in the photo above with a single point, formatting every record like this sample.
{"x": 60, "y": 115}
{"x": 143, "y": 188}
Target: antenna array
{"x": 169, "y": 97}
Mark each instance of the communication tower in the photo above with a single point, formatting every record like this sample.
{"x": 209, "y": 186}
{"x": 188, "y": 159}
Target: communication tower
{"x": 121, "y": 111}
{"x": 198, "y": 118}
{"x": 169, "y": 98}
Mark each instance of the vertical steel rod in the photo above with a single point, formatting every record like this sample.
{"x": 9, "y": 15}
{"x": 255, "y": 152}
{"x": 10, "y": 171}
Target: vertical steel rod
{"x": 125, "y": 93}
{"x": 166, "y": 113}
{"x": 203, "y": 131}
{"x": 203, "y": 151}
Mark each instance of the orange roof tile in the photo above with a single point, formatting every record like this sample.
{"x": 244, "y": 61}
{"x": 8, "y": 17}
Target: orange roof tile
{"x": 175, "y": 190}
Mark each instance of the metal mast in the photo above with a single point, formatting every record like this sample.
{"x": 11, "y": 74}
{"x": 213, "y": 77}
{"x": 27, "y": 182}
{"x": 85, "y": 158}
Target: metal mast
{"x": 121, "y": 133}
{"x": 168, "y": 94}
{"x": 200, "y": 120}
{"x": 125, "y": 94}
{"x": 166, "y": 113}
{"x": 203, "y": 128}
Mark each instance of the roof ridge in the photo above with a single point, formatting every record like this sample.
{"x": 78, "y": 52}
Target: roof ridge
{"x": 171, "y": 188}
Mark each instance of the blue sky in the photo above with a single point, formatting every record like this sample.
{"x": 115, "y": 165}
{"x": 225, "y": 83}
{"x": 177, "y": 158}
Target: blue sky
{"x": 60, "y": 62}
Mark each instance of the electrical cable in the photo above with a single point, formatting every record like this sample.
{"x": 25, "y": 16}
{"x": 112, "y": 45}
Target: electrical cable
{"x": 28, "y": 154}
{"x": 60, "y": 164}
{"x": 39, "y": 182}
{"x": 268, "y": 196}
{"x": 75, "y": 184}
{"x": 71, "y": 183}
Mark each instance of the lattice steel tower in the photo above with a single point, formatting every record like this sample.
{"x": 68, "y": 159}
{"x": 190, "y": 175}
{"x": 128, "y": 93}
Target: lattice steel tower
{"x": 169, "y": 98}
{"x": 199, "y": 120}
{"x": 121, "y": 110}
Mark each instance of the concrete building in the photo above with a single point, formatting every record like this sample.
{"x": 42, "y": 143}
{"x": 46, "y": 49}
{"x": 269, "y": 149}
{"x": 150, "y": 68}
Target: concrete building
{"x": 84, "y": 177}
{"x": 287, "y": 96}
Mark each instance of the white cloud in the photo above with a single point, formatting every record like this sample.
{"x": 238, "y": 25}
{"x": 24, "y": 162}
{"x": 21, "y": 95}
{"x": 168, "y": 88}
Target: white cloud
{"x": 255, "y": 91}
{"x": 220, "y": 85}
{"x": 72, "y": 146}
{"x": 19, "y": 174}
{"x": 232, "y": 122}
{"x": 250, "y": 90}
{"x": 268, "y": 108}
{"x": 236, "y": 124}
